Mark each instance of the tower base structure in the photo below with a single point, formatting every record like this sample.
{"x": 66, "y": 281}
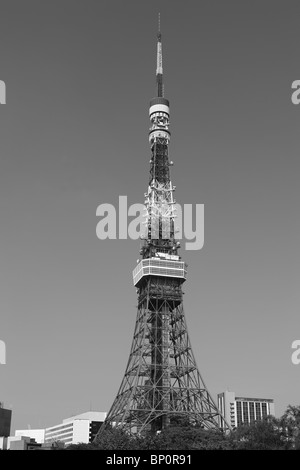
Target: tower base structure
{"x": 161, "y": 381}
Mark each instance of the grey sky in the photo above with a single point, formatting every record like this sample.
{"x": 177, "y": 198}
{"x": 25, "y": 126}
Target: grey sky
{"x": 74, "y": 134}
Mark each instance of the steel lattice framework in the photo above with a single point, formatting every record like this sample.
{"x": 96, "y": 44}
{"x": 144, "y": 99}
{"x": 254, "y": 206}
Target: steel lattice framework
{"x": 161, "y": 378}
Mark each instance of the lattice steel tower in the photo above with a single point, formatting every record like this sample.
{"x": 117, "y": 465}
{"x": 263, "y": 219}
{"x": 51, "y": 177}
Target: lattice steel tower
{"x": 161, "y": 378}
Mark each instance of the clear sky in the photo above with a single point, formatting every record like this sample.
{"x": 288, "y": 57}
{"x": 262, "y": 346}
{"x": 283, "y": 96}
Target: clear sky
{"x": 74, "y": 134}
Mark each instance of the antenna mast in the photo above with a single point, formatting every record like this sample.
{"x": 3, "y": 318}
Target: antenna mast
{"x": 159, "y": 67}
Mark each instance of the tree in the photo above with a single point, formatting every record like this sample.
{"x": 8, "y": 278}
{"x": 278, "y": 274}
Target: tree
{"x": 261, "y": 435}
{"x": 82, "y": 446}
{"x": 290, "y": 423}
{"x": 115, "y": 438}
{"x": 181, "y": 435}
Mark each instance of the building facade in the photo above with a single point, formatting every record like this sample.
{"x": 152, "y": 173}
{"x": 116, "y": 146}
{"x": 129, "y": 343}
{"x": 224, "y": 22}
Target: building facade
{"x": 244, "y": 410}
{"x": 5, "y": 421}
{"x": 37, "y": 434}
{"x": 81, "y": 428}
{"x": 21, "y": 443}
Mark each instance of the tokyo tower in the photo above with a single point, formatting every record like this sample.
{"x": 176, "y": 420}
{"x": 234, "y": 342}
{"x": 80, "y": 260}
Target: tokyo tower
{"x": 161, "y": 379}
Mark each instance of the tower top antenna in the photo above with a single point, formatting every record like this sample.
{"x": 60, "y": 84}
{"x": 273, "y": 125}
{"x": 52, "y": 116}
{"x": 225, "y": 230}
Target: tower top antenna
{"x": 159, "y": 68}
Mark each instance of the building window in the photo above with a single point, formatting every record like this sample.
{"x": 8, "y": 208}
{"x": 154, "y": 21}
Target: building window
{"x": 251, "y": 412}
{"x": 264, "y": 410}
{"x": 258, "y": 412}
{"x": 239, "y": 413}
{"x": 245, "y": 412}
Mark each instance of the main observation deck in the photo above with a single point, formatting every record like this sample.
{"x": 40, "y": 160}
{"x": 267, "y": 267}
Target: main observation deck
{"x": 159, "y": 267}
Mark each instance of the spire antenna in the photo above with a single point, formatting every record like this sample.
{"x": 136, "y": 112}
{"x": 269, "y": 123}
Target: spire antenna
{"x": 159, "y": 67}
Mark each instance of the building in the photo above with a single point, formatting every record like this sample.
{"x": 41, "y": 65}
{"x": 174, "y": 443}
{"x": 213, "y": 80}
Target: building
{"x": 3, "y": 443}
{"x": 5, "y": 421}
{"x": 37, "y": 434}
{"x": 244, "y": 410}
{"x": 81, "y": 428}
{"x": 21, "y": 443}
